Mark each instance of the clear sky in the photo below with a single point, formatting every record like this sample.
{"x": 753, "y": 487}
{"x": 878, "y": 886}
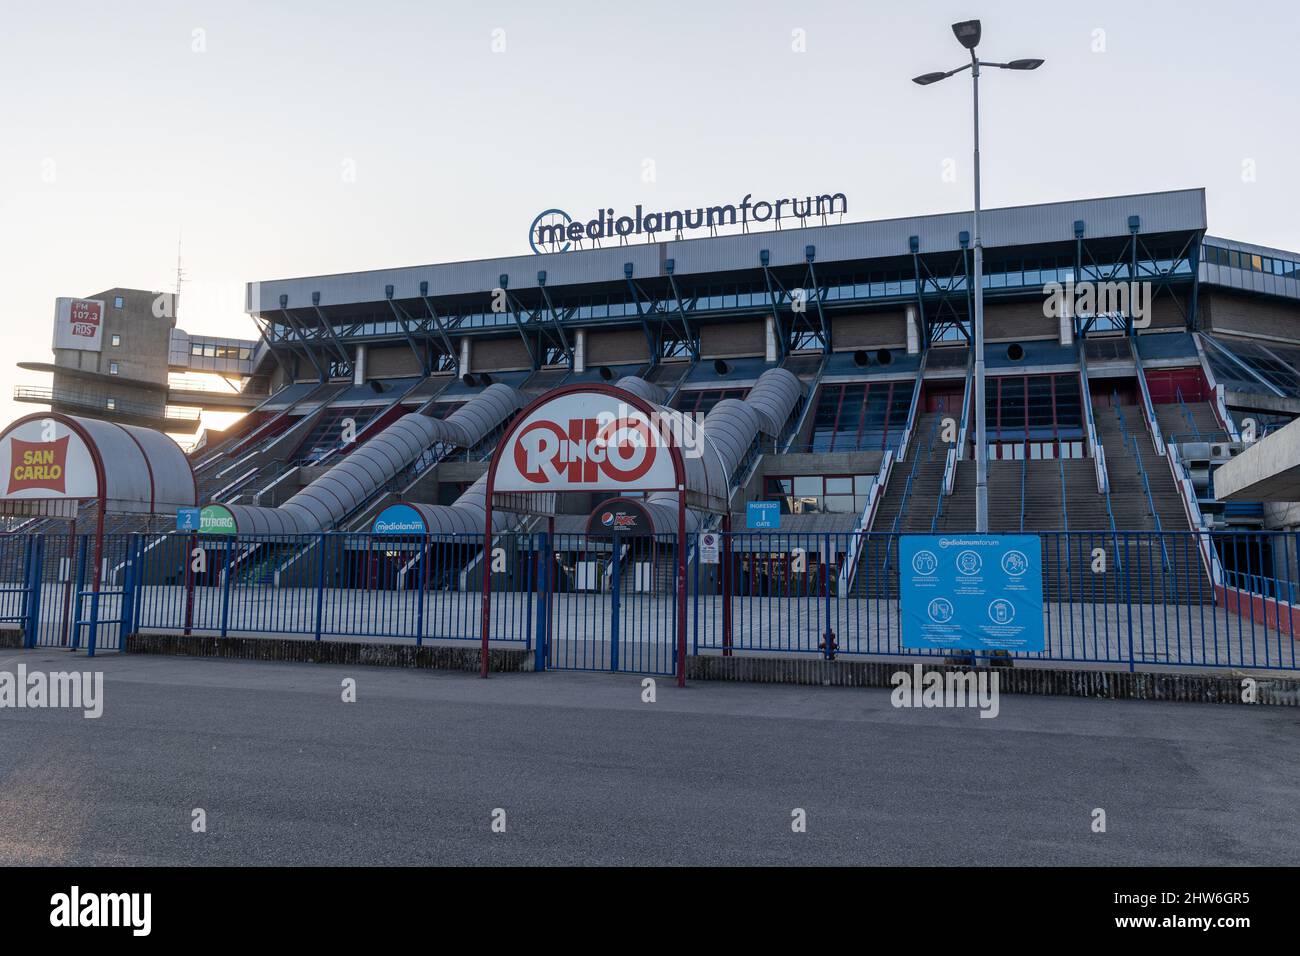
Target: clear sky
{"x": 284, "y": 138}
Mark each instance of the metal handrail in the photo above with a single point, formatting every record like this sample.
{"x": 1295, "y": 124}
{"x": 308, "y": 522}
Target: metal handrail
{"x": 907, "y": 494}
{"x": 1024, "y": 473}
{"x": 808, "y": 404}
{"x": 49, "y": 395}
{"x": 913, "y": 407}
{"x": 965, "y": 408}
{"x": 1148, "y": 408}
{"x": 1187, "y": 412}
{"x": 1220, "y": 404}
{"x": 875, "y": 494}
{"x": 1146, "y": 484}
{"x": 1090, "y": 422}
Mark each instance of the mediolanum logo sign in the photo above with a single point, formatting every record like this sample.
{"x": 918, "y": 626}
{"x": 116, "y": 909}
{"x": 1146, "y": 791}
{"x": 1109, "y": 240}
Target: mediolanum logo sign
{"x": 586, "y": 441}
{"x": 554, "y": 230}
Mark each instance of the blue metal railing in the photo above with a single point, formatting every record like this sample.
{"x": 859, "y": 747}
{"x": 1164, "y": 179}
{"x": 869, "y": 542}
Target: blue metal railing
{"x": 1148, "y": 408}
{"x": 1131, "y": 442}
{"x": 785, "y": 596}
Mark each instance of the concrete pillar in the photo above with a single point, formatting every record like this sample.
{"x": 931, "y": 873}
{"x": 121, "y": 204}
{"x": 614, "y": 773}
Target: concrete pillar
{"x": 580, "y": 351}
{"x": 1067, "y": 326}
{"x": 769, "y": 348}
{"x": 913, "y": 332}
{"x": 464, "y": 355}
{"x": 359, "y": 366}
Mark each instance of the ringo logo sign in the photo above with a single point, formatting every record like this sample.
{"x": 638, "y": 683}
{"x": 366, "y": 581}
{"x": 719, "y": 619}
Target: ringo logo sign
{"x": 38, "y": 465}
{"x": 587, "y": 440}
{"x": 583, "y": 451}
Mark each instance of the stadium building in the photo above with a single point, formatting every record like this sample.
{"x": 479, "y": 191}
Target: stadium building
{"x": 1129, "y": 353}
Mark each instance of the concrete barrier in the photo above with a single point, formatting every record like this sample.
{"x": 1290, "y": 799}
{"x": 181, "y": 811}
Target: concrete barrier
{"x": 424, "y": 657}
{"x": 1109, "y": 685}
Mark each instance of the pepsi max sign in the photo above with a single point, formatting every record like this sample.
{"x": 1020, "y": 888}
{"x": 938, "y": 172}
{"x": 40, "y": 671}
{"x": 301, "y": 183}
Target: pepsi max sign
{"x": 620, "y": 516}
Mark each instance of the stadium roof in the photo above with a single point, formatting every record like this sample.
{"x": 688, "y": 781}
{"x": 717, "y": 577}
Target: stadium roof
{"x": 1172, "y": 212}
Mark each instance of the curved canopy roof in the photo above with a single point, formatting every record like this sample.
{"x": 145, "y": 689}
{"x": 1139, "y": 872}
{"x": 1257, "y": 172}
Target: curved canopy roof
{"x": 52, "y": 461}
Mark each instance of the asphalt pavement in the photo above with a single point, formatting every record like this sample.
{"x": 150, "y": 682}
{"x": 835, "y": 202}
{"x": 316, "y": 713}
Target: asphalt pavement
{"x": 419, "y": 767}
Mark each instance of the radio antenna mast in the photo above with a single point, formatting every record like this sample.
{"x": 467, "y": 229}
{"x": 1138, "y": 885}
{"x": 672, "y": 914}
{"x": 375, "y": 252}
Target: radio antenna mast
{"x": 180, "y": 277}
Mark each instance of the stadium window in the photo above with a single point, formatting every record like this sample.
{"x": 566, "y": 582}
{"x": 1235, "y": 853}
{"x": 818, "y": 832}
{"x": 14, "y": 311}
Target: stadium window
{"x": 112, "y": 368}
{"x": 196, "y": 350}
{"x": 814, "y": 494}
{"x": 244, "y": 355}
{"x": 116, "y": 340}
{"x": 117, "y": 302}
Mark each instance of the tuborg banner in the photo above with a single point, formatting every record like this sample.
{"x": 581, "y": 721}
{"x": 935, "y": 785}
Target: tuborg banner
{"x": 971, "y": 592}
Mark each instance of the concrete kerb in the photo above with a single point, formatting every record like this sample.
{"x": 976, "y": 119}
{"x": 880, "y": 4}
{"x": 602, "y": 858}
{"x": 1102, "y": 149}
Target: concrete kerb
{"x": 424, "y": 657}
{"x": 1201, "y": 688}
{"x": 1107, "y": 685}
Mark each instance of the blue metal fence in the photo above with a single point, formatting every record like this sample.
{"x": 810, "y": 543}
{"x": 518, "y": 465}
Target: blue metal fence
{"x": 1132, "y": 599}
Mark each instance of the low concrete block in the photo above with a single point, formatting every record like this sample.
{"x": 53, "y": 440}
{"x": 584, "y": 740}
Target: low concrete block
{"x": 426, "y": 657}
{"x": 1226, "y": 688}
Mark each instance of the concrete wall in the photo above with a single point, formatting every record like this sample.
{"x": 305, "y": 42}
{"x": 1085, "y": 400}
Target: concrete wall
{"x": 1226, "y": 312}
{"x": 142, "y": 353}
{"x": 874, "y": 331}
{"x": 810, "y": 463}
{"x": 617, "y": 347}
{"x": 1017, "y": 321}
{"x": 499, "y": 355}
{"x": 1165, "y": 312}
{"x": 733, "y": 340}
{"x": 391, "y": 362}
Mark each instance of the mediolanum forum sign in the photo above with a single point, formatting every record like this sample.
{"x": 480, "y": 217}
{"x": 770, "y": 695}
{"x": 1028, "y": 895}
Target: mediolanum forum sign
{"x": 556, "y": 231}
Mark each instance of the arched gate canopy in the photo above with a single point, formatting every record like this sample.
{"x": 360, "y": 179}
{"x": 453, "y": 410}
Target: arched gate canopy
{"x": 50, "y": 462}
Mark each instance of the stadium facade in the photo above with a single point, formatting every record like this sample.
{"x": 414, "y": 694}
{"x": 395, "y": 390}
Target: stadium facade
{"x": 1128, "y": 354}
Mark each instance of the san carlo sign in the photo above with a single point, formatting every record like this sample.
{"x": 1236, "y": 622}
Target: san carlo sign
{"x": 586, "y": 440}
{"x": 40, "y": 459}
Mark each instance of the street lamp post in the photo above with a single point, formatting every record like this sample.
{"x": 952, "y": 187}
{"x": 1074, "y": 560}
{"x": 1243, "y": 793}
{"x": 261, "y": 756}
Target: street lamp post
{"x": 968, "y": 35}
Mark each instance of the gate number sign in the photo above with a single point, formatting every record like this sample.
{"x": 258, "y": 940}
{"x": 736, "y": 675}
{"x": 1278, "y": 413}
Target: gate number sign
{"x": 763, "y": 515}
{"x": 972, "y": 592}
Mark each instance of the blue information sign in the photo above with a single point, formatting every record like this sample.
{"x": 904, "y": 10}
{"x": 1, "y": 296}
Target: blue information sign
{"x": 972, "y": 592}
{"x": 763, "y": 515}
{"x": 187, "y": 519}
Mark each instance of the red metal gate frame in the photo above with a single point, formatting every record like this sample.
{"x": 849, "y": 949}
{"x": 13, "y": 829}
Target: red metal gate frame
{"x": 679, "y": 470}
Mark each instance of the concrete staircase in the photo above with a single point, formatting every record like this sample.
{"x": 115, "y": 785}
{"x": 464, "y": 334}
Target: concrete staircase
{"x": 904, "y": 509}
{"x": 1057, "y": 496}
{"x": 1172, "y": 572}
{"x": 1194, "y": 421}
